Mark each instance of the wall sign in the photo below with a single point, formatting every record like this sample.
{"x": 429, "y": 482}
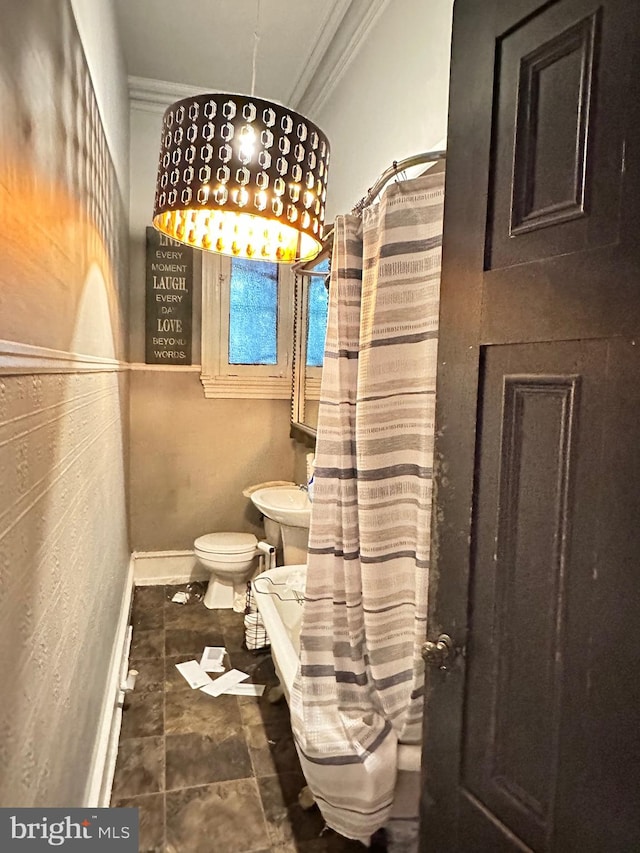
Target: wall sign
{"x": 169, "y": 298}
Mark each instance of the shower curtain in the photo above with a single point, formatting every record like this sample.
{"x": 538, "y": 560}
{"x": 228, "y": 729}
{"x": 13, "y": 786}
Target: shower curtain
{"x": 360, "y": 684}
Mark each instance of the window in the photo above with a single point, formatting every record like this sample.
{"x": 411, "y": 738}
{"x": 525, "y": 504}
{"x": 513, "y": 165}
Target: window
{"x": 253, "y": 313}
{"x": 247, "y": 328}
{"x": 317, "y": 308}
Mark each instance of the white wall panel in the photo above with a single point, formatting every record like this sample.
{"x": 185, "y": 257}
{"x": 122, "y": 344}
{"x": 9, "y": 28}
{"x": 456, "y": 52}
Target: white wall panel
{"x": 62, "y": 552}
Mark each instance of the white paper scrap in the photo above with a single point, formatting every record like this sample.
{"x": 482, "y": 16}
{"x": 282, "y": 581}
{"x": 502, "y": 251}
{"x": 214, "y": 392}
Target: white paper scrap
{"x": 211, "y": 660}
{"x": 193, "y": 673}
{"x": 246, "y": 690}
{"x": 222, "y": 684}
{"x": 180, "y": 598}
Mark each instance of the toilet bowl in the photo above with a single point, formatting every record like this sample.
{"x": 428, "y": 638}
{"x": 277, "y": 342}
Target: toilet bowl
{"x": 232, "y": 559}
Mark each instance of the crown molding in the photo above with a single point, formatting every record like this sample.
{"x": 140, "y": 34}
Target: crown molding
{"x": 358, "y": 21}
{"x": 346, "y": 26}
{"x": 335, "y": 14}
{"x": 156, "y": 95}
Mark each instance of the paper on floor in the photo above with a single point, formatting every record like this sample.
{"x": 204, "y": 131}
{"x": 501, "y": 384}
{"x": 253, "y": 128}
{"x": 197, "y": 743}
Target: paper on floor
{"x": 180, "y": 597}
{"x": 246, "y": 690}
{"x": 222, "y": 684}
{"x": 193, "y": 673}
{"x": 211, "y": 660}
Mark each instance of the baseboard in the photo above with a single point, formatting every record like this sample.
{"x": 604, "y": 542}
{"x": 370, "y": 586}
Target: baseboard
{"x": 145, "y": 569}
{"x": 166, "y": 567}
{"x": 98, "y": 791}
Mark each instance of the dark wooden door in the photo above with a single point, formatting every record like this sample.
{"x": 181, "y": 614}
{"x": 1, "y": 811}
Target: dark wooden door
{"x": 532, "y": 734}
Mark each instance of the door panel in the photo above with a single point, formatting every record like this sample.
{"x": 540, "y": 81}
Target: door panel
{"x": 557, "y": 145}
{"x": 600, "y": 739}
{"x": 532, "y": 734}
{"x": 560, "y": 129}
{"x": 537, "y": 432}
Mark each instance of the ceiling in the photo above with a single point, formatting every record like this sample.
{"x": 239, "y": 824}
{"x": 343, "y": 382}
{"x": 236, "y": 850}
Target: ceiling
{"x": 209, "y": 44}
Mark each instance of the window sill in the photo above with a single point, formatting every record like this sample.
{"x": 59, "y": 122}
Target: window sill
{"x": 239, "y": 387}
{"x": 303, "y": 434}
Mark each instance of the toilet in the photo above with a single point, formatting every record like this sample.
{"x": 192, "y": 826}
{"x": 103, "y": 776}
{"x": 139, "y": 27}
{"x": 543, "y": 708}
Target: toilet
{"x": 232, "y": 559}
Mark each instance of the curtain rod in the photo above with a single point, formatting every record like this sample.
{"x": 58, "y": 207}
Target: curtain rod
{"x": 396, "y": 166}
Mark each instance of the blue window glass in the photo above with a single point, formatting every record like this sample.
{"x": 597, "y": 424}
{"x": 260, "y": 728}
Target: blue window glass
{"x": 317, "y": 308}
{"x": 253, "y": 312}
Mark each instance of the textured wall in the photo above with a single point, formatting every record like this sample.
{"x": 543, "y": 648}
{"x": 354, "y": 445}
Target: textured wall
{"x": 62, "y": 556}
{"x": 63, "y": 537}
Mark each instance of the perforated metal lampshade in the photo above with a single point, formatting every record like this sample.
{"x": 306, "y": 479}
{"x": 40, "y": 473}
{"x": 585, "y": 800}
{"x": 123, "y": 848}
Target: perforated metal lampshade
{"x": 242, "y": 177}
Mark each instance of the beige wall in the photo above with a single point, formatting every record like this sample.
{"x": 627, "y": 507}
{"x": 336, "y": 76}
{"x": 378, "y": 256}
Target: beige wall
{"x": 191, "y": 457}
{"x": 63, "y": 397}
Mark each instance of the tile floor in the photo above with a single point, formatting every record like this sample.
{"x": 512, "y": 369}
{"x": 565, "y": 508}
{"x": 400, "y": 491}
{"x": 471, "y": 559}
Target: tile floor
{"x": 209, "y": 775}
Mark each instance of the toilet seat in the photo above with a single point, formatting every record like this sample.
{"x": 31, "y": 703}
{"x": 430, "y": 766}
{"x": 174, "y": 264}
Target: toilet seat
{"x": 226, "y": 543}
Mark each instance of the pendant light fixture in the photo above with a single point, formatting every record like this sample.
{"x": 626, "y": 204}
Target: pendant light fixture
{"x": 242, "y": 176}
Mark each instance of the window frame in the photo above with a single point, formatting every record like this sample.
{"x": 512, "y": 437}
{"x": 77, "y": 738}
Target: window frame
{"x": 242, "y": 381}
{"x": 306, "y": 380}
{"x": 313, "y": 373}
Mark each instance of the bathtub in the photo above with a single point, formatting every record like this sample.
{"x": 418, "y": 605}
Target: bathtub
{"x": 278, "y": 594}
{"x": 279, "y": 603}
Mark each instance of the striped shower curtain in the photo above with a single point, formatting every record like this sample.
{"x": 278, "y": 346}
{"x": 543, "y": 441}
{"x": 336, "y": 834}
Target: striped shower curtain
{"x": 359, "y": 689}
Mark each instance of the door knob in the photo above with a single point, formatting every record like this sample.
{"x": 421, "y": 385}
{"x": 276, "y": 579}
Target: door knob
{"x": 440, "y": 654}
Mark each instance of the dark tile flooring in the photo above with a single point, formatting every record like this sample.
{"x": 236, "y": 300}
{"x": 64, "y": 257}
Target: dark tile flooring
{"x": 209, "y": 775}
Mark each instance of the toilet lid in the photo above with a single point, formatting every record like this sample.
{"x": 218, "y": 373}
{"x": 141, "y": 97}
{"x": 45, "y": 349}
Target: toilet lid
{"x": 226, "y": 543}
